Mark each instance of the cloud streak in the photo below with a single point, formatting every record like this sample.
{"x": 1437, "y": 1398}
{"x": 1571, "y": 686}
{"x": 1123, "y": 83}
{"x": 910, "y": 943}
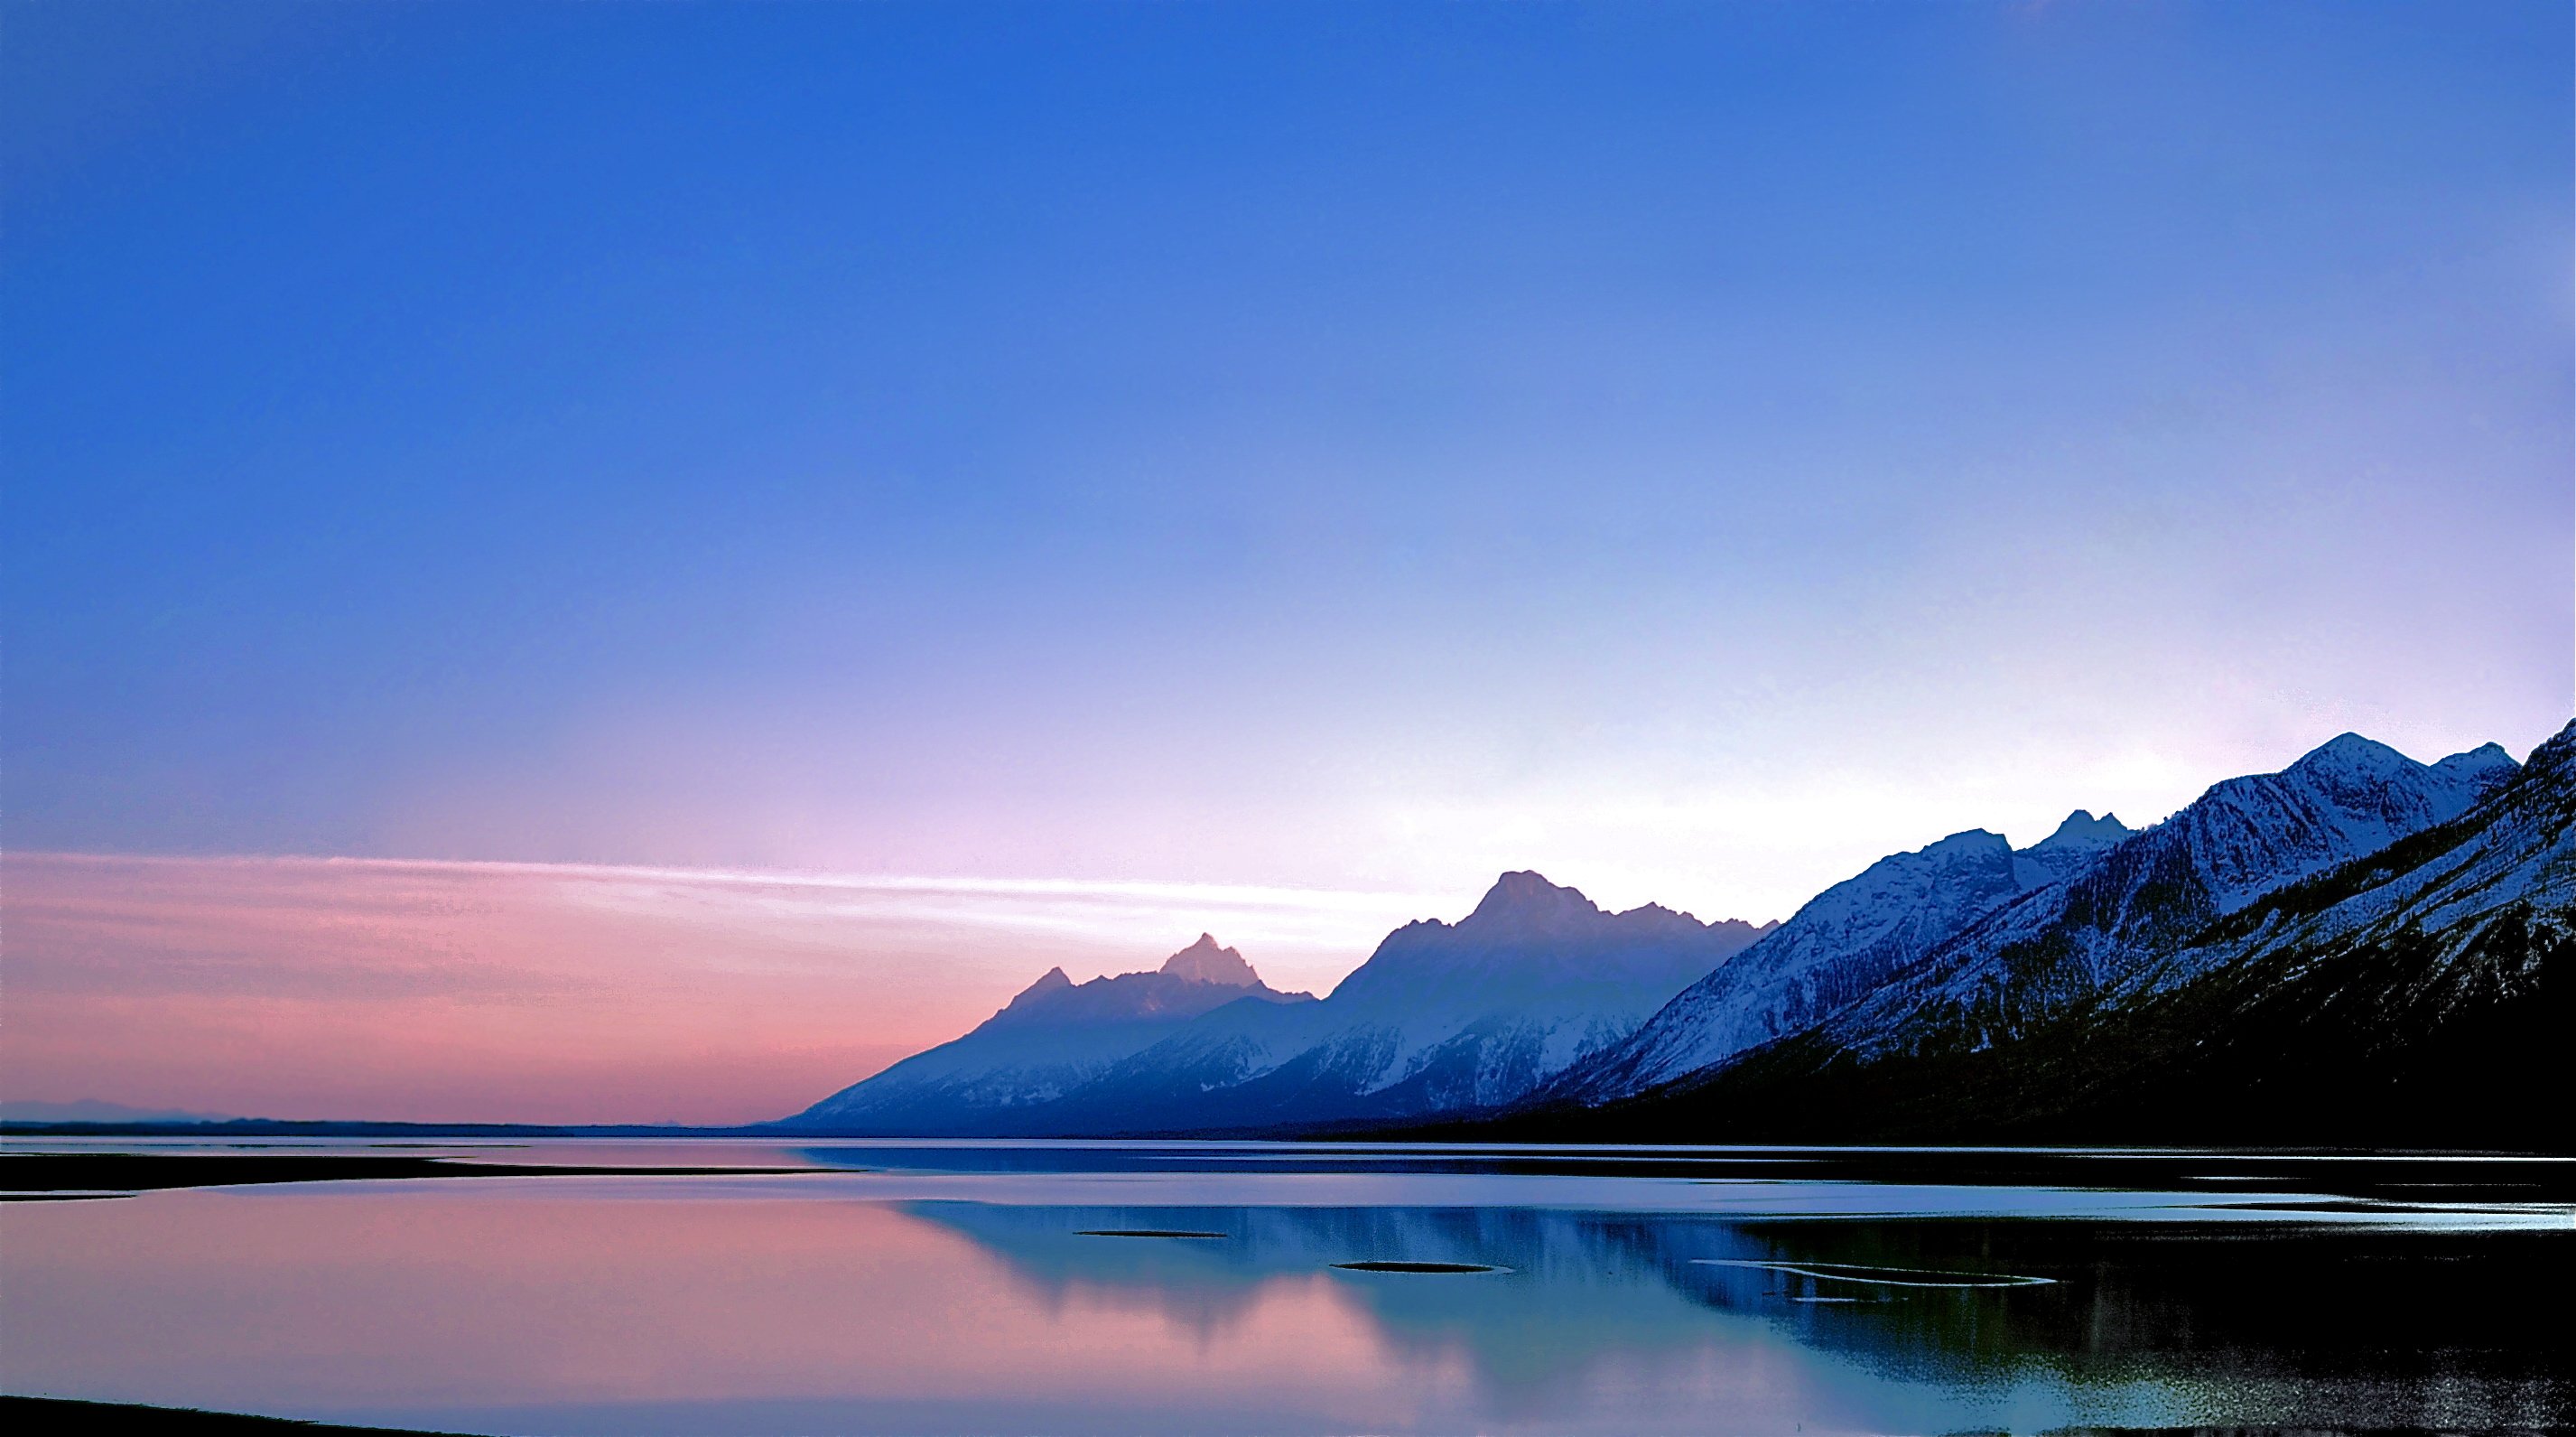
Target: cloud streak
{"x": 418, "y": 989}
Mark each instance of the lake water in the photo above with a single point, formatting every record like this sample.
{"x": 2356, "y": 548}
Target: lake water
{"x": 1001, "y": 1287}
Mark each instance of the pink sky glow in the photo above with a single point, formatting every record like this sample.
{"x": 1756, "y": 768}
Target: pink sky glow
{"x": 437, "y": 991}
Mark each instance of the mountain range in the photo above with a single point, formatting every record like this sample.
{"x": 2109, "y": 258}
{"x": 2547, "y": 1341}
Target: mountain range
{"x": 2410, "y": 995}
{"x": 1443, "y": 1018}
{"x": 1051, "y": 1040}
{"x": 1837, "y": 949}
{"x": 2353, "y": 949}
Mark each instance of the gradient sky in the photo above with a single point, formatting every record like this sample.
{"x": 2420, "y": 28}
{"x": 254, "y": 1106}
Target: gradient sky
{"x": 1349, "y": 450}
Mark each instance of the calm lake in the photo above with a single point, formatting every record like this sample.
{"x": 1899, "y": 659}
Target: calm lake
{"x": 1206, "y": 1288}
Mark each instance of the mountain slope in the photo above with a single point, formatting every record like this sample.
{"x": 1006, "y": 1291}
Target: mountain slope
{"x": 1442, "y": 1018}
{"x": 2244, "y": 837}
{"x": 2414, "y": 995}
{"x": 2075, "y": 845}
{"x": 1053, "y": 1037}
{"x": 1839, "y": 947}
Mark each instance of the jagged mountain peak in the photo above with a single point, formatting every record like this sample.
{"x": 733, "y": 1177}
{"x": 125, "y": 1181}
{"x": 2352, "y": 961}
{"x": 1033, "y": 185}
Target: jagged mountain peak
{"x": 2082, "y": 830}
{"x": 1840, "y": 943}
{"x": 2349, "y": 756}
{"x": 2375, "y": 993}
{"x": 1051, "y": 981}
{"x": 1205, "y": 962}
{"x": 1965, "y": 841}
{"x": 2348, "y": 761}
{"x": 1526, "y": 900}
{"x": 1053, "y": 1037}
{"x": 2341, "y": 798}
{"x": 1655, "y": 917}
{"x": 2140, "y": 901}
{"x": 2353, "y": 770}
{"x": 1960, "y": 943}
{"x": 2484, "y": 767}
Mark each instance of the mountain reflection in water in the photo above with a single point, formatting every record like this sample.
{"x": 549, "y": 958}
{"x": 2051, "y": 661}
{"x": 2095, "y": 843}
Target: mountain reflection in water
{"x": 2133, "y": 1323}
{"x": 1209, "y": 1289}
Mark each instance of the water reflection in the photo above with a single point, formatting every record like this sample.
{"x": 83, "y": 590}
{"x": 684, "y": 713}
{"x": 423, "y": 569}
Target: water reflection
{"x": 2098, "y": 1323}
{"x": 923, "y": 1291}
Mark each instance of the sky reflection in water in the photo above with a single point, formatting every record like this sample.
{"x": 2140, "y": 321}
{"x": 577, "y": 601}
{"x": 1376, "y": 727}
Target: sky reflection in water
{"x": 959, "y": 1290}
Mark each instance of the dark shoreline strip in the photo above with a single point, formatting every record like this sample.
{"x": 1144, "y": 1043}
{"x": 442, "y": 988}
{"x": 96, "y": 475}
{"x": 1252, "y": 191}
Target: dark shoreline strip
{"x": 36, "y": 1174}
{"x": 64, "y": 1414}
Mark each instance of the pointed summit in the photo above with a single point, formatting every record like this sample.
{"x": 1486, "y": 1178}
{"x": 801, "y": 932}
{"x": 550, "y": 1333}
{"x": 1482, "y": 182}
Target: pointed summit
{"x": 2482, "y": 768}
{"x": 2350, "y": 780}
{"x": 2076, "y": 845}
{"x": 2082, "y": 830}
{"x": 1525, "y": 900}
{"x": 1051, "y": 978}
{"x": 2350, "y": 757}
{"x": 1205, "y": 962}
{"x": 1037, "y": 994}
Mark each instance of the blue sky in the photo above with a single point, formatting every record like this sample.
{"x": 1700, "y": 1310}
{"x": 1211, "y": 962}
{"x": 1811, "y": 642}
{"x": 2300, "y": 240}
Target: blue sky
{"x": 1692, "y": 450}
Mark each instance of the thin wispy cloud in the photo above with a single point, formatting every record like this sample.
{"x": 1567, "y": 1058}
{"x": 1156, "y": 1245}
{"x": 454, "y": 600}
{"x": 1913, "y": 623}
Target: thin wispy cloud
{"x": 303, "y": 986}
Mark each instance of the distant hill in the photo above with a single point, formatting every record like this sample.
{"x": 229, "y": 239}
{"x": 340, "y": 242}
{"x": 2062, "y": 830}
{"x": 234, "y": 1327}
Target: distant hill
{"x": 91, "y": 1110}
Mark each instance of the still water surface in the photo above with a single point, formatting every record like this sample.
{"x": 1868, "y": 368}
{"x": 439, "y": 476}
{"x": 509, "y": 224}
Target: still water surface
{"x": 1202, "y": 1288}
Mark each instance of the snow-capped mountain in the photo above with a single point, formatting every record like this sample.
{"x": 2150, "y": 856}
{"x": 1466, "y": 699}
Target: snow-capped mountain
{"x": 1840, "y": 947}
{"x": 2068, "y": 941}
{"x": 1963, "y": 988}
{"x": 1968, "y": 934}
{"x": 1442, "y": 1018}
{"x": 2078, "y": 841}
{"x": 1473, "y": 1015}
{"x": 1053, "y": 1037}
{"x": 2416, "y": 994}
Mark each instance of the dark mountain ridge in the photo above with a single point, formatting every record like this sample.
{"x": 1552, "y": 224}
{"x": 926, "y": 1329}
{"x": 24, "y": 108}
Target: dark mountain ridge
{"x": 2149, "y": 894}
{"x": 2414, "y": 995}
{"x": 2357, "y": 928}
